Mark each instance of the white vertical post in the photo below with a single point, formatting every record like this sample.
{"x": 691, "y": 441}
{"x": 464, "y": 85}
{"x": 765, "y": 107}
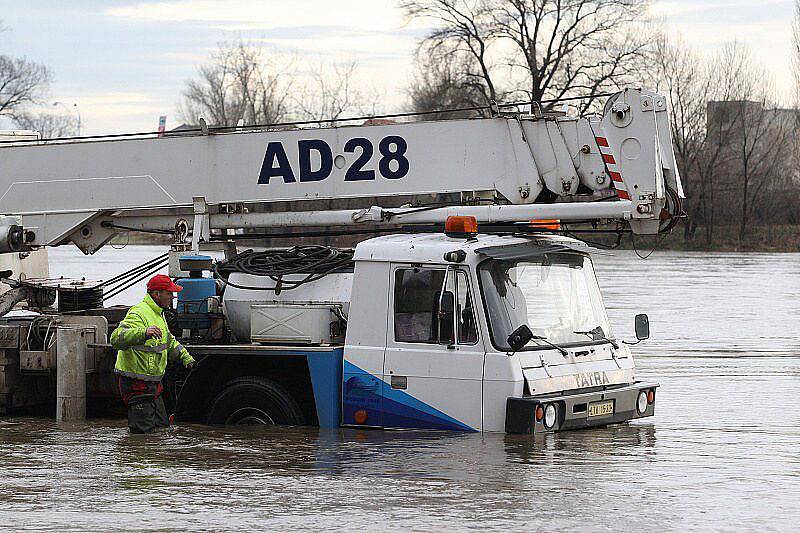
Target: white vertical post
{"x": 70, "y": 374}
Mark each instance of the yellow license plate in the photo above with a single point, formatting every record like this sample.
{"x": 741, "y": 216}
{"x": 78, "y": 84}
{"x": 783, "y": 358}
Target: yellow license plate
{"x": 601, "y": 408}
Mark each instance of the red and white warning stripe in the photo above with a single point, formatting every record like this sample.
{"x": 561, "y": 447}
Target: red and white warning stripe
{"x": 613, "y": 170}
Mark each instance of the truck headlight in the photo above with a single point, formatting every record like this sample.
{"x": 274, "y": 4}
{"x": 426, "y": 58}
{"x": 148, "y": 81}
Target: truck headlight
{"x": 641, "y": 402}
{"x": 550, "y": 416}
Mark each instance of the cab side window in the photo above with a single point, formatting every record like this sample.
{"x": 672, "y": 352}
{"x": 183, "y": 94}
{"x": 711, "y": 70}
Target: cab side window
{"x": 465, "y": 311}
{"x": 422, "y": 314}
{"x": 416, "y": 302}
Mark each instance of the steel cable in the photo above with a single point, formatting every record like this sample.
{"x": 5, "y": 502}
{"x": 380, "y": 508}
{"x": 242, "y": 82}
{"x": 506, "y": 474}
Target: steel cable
{"x": 317, "y": 122}
{"x": 133, "y": 281}
{"x": 122, "y": 278}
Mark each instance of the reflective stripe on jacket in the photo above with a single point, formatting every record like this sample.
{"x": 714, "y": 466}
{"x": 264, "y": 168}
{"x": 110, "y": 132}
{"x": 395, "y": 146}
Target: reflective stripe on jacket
{"x": 142, "y": 358}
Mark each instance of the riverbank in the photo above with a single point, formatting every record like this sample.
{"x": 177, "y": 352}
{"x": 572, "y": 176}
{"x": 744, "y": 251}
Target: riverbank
{"x": 784, "y": 238}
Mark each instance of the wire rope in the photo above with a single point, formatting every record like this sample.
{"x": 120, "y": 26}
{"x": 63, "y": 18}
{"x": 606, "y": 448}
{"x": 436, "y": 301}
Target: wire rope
{"x": 318, "y": 122}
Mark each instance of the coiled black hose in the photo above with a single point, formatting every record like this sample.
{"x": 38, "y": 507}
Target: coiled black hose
{"x": 316, "y": 261}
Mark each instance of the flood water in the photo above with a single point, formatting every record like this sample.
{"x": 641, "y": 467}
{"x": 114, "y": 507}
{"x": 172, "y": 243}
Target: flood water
{"x": 722, "y": 452}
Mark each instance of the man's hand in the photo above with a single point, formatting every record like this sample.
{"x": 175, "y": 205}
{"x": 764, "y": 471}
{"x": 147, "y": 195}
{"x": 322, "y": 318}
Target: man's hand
{"x": 153, "y": 332}
{"x": 190, "y": 365}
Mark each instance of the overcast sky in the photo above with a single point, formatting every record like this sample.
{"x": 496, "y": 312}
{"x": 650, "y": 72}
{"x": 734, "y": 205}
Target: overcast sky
{"x": 124, "y": 62}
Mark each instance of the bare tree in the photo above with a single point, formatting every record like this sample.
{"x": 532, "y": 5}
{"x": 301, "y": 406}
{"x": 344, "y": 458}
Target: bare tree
{"x": 464, "y": 29}
{"x": 794, "y": 178}
{"x": 796, "y": 51}
{"x": 239, "y": 84}
{"x": 568, "y": 47}
{"x": 331, "y": 91}
{"x": 548, "y": 48}
{"x": 22, "y": 82}
{"x": 762, "y": 159}
{"x": 749, "y": 138}
{"x": 731, "y": 143}
{"x": 715, "y": 165}
{"x": 721, "y": 121}
{"x": 49, "y": 125}
{"x": 439, "y": 83}
{"x": 686, "y": 81}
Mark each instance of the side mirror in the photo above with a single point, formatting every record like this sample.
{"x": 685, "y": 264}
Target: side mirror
{"x": 447, "y": 307}
{"x": 642, "y": 326}
{"x": 520, "y": 337}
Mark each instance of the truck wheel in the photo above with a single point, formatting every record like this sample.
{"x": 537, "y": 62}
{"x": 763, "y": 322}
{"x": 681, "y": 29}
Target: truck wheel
{"x": 254, "y": 401}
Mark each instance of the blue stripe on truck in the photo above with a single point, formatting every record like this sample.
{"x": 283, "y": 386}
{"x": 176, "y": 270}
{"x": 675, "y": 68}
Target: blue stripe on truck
{"x": 326, "y": 380}
{"x": 387, "y": 407}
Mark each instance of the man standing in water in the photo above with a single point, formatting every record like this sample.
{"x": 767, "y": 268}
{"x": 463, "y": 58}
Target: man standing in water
{"x": 145, "y": 343}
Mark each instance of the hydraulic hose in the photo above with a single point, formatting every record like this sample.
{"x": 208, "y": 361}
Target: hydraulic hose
{"x": 315, "y": 261}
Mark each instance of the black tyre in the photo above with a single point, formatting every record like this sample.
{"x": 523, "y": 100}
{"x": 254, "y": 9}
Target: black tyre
{"x": 254, "y": 400}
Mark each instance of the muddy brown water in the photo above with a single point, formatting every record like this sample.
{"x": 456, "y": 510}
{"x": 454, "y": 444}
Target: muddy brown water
{"x": 722, "y": 452}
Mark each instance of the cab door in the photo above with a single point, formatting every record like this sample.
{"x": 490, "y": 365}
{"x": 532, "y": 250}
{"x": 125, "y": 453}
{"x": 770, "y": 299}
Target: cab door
{"x": 433, "y": 367}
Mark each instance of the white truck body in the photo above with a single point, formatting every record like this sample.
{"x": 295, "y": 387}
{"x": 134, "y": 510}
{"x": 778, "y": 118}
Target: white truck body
{"x": 404, "y": 382}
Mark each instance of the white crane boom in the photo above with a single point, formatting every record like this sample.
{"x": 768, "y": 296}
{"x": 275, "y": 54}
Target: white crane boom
{"x": 83, "y": 192}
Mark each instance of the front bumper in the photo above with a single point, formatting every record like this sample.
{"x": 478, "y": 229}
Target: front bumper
{"x": 572, "y": 410}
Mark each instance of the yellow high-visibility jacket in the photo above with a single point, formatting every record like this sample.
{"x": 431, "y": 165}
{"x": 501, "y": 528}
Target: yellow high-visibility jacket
{"x": 142, "y": 358}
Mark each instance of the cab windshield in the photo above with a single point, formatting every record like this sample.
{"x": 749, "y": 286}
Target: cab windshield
{"x": 555, "y": 294}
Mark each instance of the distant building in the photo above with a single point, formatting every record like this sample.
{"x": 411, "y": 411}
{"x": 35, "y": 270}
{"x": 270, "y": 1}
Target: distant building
{"x": 732, "y": 115}
{"x": 732, "y": 125}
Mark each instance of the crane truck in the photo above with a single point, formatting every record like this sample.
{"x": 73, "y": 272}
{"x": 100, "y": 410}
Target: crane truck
{"x": 467, "y": 311}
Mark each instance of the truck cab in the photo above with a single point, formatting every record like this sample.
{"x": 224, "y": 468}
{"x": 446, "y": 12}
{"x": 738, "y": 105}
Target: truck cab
{"x": 440, "y": 352}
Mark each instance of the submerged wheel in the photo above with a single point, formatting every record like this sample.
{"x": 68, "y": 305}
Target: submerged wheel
{"x": 253, "y": 401}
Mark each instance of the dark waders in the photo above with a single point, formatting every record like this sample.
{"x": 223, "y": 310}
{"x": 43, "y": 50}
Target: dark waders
{"x": 145, "y": 403}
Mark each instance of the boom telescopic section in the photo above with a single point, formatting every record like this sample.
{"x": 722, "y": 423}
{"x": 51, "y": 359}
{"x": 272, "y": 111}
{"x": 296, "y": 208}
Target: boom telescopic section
{"x": 516, "y": 165}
